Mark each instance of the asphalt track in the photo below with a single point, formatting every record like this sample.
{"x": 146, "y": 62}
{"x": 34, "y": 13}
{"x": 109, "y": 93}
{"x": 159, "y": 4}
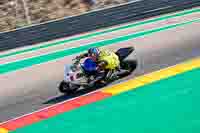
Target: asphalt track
{"x": 34, "y": 88}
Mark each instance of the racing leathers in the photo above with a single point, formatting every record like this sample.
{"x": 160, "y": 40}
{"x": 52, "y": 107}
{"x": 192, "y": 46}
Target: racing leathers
{"x": 107, "y": 62}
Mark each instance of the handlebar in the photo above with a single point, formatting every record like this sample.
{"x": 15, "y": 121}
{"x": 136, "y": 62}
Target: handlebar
{"x": 76, "y": 62}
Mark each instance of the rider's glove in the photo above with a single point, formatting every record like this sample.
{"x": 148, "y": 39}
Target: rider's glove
{"x": 77, "y": 57}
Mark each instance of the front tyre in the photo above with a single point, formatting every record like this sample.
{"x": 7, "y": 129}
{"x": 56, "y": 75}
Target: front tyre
{"x": 65, "y": 88}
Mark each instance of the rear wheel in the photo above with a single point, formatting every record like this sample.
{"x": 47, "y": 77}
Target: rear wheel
{"x": 129, "y": 66}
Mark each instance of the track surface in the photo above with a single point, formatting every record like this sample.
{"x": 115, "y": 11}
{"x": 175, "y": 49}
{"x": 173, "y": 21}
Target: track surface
{"x": 33, "y": 88}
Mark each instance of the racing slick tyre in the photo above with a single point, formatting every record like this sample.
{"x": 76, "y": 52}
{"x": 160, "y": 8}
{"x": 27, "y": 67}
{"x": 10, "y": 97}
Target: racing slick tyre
{"x": 65, "y": 88}
{"x": 129, "y": 65}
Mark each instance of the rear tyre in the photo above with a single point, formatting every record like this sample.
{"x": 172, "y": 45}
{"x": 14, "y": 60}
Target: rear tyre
{"x": 129, "y": 66}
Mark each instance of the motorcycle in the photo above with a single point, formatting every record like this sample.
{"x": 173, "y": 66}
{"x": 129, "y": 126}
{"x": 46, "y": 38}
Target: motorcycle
{"x": 77, "y": 78}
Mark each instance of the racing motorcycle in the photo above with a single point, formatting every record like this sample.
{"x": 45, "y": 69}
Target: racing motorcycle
{"x": 77, "y": 77}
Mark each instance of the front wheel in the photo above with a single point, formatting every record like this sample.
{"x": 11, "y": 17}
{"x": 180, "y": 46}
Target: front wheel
{"x": 65, "y": 88}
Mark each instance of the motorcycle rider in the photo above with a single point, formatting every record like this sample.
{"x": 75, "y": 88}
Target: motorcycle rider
{"x": 107, "y": 62}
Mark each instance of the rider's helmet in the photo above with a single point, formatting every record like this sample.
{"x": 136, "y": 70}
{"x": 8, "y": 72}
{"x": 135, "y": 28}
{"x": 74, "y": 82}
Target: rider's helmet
{"x": 94, "y": 52}
{"x": 89, "y": 65}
